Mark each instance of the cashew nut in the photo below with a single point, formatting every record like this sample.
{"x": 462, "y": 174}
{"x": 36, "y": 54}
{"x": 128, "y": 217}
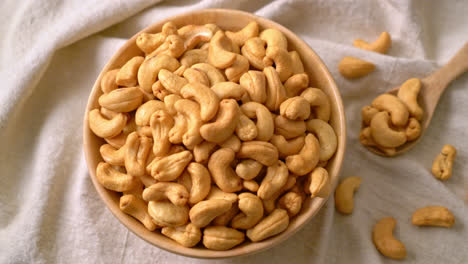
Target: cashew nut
{"x": 173, "y": 46}
{"x": 221, "y": 237}
{"x": 433, "y": 216}
{"x": 297, "y": 66}
{"x": 228, "y": 90}
{"x": 326, "y": 136}
{"x": 381, "y": 45}
{"x": 187, "y": 236}
{"x": 201, "y": 182}
{"x": 202, "y": 213}
{"x": 170, "y": 167}
{"x": 150, "y": 68}
{"x": 204, "y": 96}
{"x": 224, "y": 125}
{"x": 246, "y": 129}
{"x": 295, "y": 108}
{"x": 344, "y": 201}
{"x": 248, "y": 169}
{"x": 271, "y": 225}
{"x": 114, "y": 180}
{"x": 108, "y": 81}
{"x": 274, "y": 38}
{"x": 393, "y": 105}
{"x": 145, "y": 111}
{"x": 221, "y": 171}
{"x": 413, "y": 129}
{"x": 219, "y": 52}
{"x": 295, "y": 84}
{"x": 239, "y": 37}
{"x": 171, "y": 81}
{"x": 367, "y": 113}
{"x": 237, "y": 69}
{"x": 194, "y": 56}
{"x": 261, "y": 151}
{"x": 291, "y": 202}
{"x": 408, "y": 94}
{"x": 251, "y": 211}
{"x": 216, "y": 193}
{"x": 194, "y": 35}
{"x": 196, "y": 76}
{"x": 224, "y": 219}
{"x": 319, "y": 100}
{"x": 127, "y": 75}
{"x": 383, "y": 134}
{"x": 289, "y": 128}
{"x": 276, "y": 177}
{"x": 136, "y": 152}
{"x": 120, "y": 140}
{"x": 365, "y": 137}
{"x": 283, "y": 63}
{"x": 161, "y": 123}
{"x": 112, "y": 155}
{"x": 191, "y": 111}
{"x": 202, "y": 151}
{"x": 174, "y": 192}
{"x": 385, "y": 242}
{"x": 353, "y": 68}
{"x": 149, "y": 42}
{"x": 179, "y": 129}
{"x": 254, "y": 82}
{"x": 265, "y": 124}
{"x": 165, "y": 213}
{"x": 232, "y": 142}
{"x": 319, "y": 183}
{"x": 269, "y": 205}
{"x": 169, "y": 102}
{"x": 287, "y": 147}
{"x": 250, "y": 185}
{"x": 134, "y": 206}
{"x": 276, "y": 94}
{"x": 213, "y": 74}
{"x": 122, "y": 99}
{"x": 158, "y": 90}
{"x": 306, "y": 160}
{"x": 443, "y": 163}
{"x": 103, "y": 127}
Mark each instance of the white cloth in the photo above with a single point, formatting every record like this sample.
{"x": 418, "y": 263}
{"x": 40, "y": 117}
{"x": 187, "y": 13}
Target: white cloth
{"x": 52, "y": 51}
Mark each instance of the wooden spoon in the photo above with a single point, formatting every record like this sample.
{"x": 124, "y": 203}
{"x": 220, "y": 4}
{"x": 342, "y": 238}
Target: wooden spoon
{"x": 432, "y": 88}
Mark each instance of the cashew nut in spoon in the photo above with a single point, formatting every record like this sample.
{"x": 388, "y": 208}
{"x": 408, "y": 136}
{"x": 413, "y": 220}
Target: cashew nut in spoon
{"x": 408, "y": 94}
{"x": 367, "y": 113}
{"x": 383, "y": 134}
{"x": 393, "y": 105}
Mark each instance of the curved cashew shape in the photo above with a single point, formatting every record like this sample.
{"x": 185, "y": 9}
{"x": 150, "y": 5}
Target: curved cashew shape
{"x": 307, "y": 159}
{"x": 149, "y": 42}
{"x": 270, "y": 204}
{"x": 408, "y": 94}
{"x": 194, "y": 56}
{"x": 443, "y": 163}
{"x": 112, "y": 155}
{"x": 393, "y": 105}
{"x": 136, "y": 153}
{"x": 224, "y": 219}
{"x": 413, "y": 129}
{"x": 134, "y": 206}
{"x": 150, "y": 68}
{"x": 120, "y": 140}
{"x": 196, "y": 76}
{"x": 251, "y": 211}
{"x": 187, "y": 236}
{"x": 161, "y": 124}
{"x": 202, "y": 151}
{"x": 319, "y": 100}
{"x": 228, "y": 90}
{"x": 174, "y": 192}
{"x": 169, "y": 102}
{"x": 216, "y": 193}
{"x": 283, "y": 63}
{"x": 170, "y": 167}
{"x": 114, "y": 180}
{"x": 275, "y": 179}
{"x": 173, "y": 46}
{"x": 103, "y": 127}
{"x": 239, "y": 37}
{"x": 365, "y": 137}
{"x": 237, "y": 69}
{"x": 383, "y": 134}
{"x": 271, "y": 225}
{"x": 276, "y": 94}
{"x": 204, "y": 96}
{"x": 108, "y": 113}
{"x": 287, "y": 147}
{"x": 179, "y": 129}
{"x": 289, "y": 128}
{"x": 367, "y": 113}
{"x": 219, "y": 52}
{"x": 433, "y": 216}
{"x": 201, "y": 182}
{"x": 254, "y": 82}
{"x": 296, "y": 84}
{"x": 291, "y": 202}
{"x": 265, "y": 124}
{"x": 385, "y": 242}
{"x": 246, "y": 129}
{"x": 145, "y": 111}
{"x": 202, "y": 213}
{"x": 248, "y": 169}
{"x": 261, "y": 151}
{"x": 108, "y": 81}
{"x": 194, "y": 35}
{"x": 191, "y": 111}
{"x": 250, "y": 185}
{"x": 221, "y": 237}
{"x": 319, "y": 183}
{"x": 295, "y": 108}
{"x": 122, "y": 99}
{"x": 274, "y": 38}
{"x": 221, "y": 171}
{"x": 326, "y": 136}
{"x": 127, "y": 75}
{"x": 297, "y": 66}
{"x": 344, "y": 201}
{"x": 381, "y": 45}
{"x": 171, "y": 81}
{"x": 353, "y": 68}
{"x": 232, "y": 142}
{"x": 224, "y": 125}
{"x": 181, "y": 70}
{"x": 254, "y": 51}
{"x": 165, "y": 213}
{"x": 213, "y": 74}
{"x": 158, "y": 90}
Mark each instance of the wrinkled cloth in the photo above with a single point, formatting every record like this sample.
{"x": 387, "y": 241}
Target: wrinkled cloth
{"x": 52, "y": 51}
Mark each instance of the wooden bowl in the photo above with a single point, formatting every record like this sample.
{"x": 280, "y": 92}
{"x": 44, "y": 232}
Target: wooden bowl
{"x": 228, "y": 20}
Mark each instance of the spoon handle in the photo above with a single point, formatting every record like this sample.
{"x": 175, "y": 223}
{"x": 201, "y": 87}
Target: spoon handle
{"x": 457, "y": 65}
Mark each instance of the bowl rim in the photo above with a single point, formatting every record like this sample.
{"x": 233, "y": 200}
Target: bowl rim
{"x": 128, "y": 221}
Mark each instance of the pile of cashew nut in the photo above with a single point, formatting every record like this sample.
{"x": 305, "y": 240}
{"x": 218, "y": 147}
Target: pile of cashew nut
{"x": 213, "y": 135}
{"x": 391, "y": 121}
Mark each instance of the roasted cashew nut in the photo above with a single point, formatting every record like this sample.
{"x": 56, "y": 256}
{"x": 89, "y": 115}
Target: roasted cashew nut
{"x": 319, "y": 100}
{"x": 217, "y": 193}
{"x": 383, "y": 134}
{"x": 171, "y": 81}
{"x": 161, "y": 124}
{"x": 273, "y": 224}
{"x": 106, "y": 128}
{"x": 202, "y": 151}
{"x": 112, "y": 155}
{"x": 289, "y": 128}
{"x": 220, "y": 168}
{"x": 291, "y": 202}
{"x": 237, "y": 69}
{"x": 191, "y": 111}
{"x": 413, "y": 129}
{"x": 204, "y": 96}
{"x": 274, "y": 38}
{"x": 254, "y": 82}
{"x": 251, "y": 208}
{"x": 265, "y": 124}
{"x": 213, "y": 74}
{"x": 158, "y": 90}
{"x": 201, "y": 182}
{"x": 283, "y": 63}
{"x": 250, "y": 185}
{"x": 385, "y": 242}
{"x": 224, "y": 125}
{"x": 270, "y": 204}
{"x": 254, "y": 51}
{"x": 261, "y": 151}
{"x": 367, "y": 113}
{"x": 145, "y": 111}
{"x": 179, "y": 129}
{"x": 122, "y": 99}
{"x": 319, "y": 183}
{"x": 287, "y": 147}
{"x": 381, "y": 45}
{"x": 365, "y": 137}
{"x": 306, "y": 160}
{"x": 276, "y": 94}
{"x": 353, "y": 68}
{"x": 433, "y": 216}
{"x": 228, "y": 90}
{"x": 408, "y": 94}
{"x": 108, "y": 81}
{"x": 136, "y": 152}
{"x": 276, "y": 177}
{"x": 248, "y": 169}
{"x": 344, "y": 201}
{"x": 187, "y": 236}
{"x": 149, "y": 42}
{"x": 173, "y": 46}
{"x": 393, "y": 105}
{"x": 241, "y": 36}
{"x": 165, "y": 213}
{"x": 127, "y": 75}
{"x": 169, "y": 102}
{"x": 224, "y": 219}
{"x": 114, "y": 180}
{"x": 174, "y": 192}
{"x": 170, "y": 167}
{"x": 221, "y": 237}
{"x": 246, "y": 129}
{"x": 150, "y": 68}
{"x": 194, "y": 56}
{"x": 326, "y": 136}
{"x": 134, "y": 206}
{"x": 233, "y": 142}
{"x": 194, "y": 35}
{"x": 196, "y": 76}
{"x": 219, "y": 52}
{"x": 295, "y": 108}
{"x": 295, "y": 84}
{"x": 297, "y": 66}
{"x": 202, "y": 213}
{"x": 443, "y": 163}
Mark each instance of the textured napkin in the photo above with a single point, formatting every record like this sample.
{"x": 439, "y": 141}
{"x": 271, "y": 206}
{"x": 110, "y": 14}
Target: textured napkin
{"x": 52, "y": 51}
